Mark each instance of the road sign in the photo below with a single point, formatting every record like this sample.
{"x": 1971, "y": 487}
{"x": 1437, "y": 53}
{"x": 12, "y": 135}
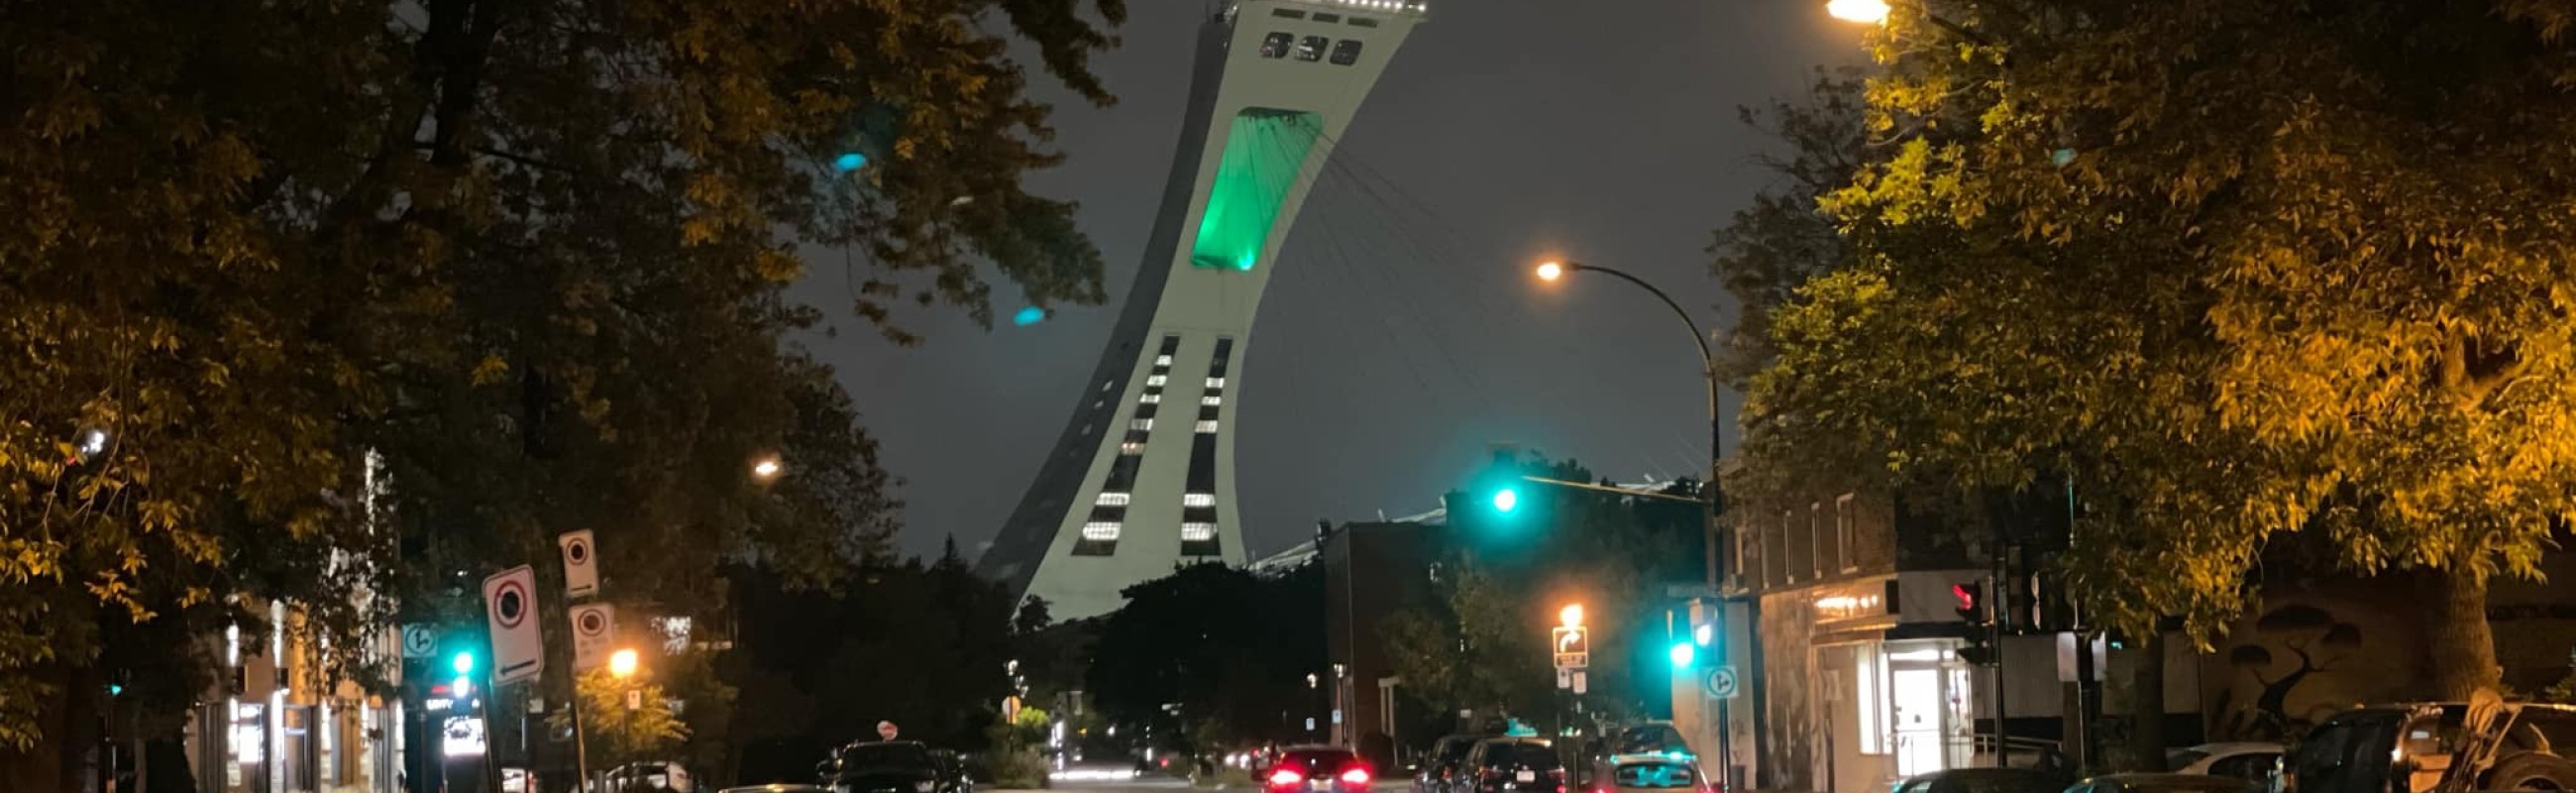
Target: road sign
{"x": 634, "y": 699}
{"x": 581, "y": 567}
{"x": 1574, "y": 639}
{"x": 1564, "y": 677}
{"x": 594, "y": 626}
{"x": 419, "y": 641}
{"x": 510, "y": 608}
{"x": 1573, "y": 660}
{"x": 1582, "y": 682}
{"x": 1721, "y": 682}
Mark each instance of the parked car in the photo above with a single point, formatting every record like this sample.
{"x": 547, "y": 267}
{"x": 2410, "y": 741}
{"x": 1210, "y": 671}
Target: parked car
{"x": 1440, "y": 770}
{"x": 2483, "y": 744}
{"x": 885, "y": 767}
{"x": 2165, "y": 783}
{"x": 1983, "y": 780}
{"x": 953, "y": 777}
{"x": 1652, "y": 772}
{"x": 1513, "y": 765}
{"x": 2250, "y": 761}
{"x": 649, "y": 777}
{"x": 1656, "y": 739}
{"x": 1318, "y": 769}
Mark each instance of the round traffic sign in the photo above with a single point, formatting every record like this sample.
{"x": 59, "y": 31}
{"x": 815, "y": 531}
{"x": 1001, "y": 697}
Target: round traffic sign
{"x": 1721, "y": 682}
{"x": 592, "y": 622}
{"x": 510, "y": 604}
{"x": 418, "y": 641}
{"x": 577, "y": 552}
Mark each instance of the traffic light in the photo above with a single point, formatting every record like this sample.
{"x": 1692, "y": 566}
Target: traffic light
{"x": 1505, "y": 499}
{"x": 463, "y": 662}
{"x": 1971, "y": 603}
{"x": 1685, "y": 654}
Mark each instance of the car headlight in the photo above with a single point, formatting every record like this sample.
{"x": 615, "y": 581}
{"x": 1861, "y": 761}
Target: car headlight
{"x": 925, "y": 786}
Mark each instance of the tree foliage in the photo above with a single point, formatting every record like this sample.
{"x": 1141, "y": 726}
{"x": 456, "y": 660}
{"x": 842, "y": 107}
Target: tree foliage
{"x": 1231, "y": 648}
{"x": 525, "y": 253}
{"x": 1483, "y": 643}
{"x": 2228, "y": 269}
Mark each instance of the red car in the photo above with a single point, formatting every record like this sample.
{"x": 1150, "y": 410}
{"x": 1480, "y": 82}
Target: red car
{"x": 1318, "y": 769}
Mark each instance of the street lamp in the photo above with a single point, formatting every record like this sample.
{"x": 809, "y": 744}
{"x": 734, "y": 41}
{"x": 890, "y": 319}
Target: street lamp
{"x": 1571, "y": 616}
{"x": 767, "y": 468}
{"x": 1872, "y": 12}
{"x": 622, "y": 664}
{"x": 1557, "y": 270}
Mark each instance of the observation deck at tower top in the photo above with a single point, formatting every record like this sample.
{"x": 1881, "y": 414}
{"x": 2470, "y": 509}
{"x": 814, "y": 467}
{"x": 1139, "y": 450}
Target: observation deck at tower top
{"x": 1417, "y": 9}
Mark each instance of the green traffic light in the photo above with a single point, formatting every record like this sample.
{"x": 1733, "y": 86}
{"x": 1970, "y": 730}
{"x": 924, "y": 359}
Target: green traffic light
{"x": 1506, "y": 499}
{"x": 464, "y": 663}
{"x": 1684, "y": 653}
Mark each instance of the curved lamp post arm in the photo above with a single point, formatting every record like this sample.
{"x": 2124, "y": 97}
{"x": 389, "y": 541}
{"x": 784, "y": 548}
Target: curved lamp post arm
{"x": 1706, "y": 358}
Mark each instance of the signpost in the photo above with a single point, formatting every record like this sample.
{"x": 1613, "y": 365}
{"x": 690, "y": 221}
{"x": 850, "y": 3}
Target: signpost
{"x": 581, "y": 575}
{"x": 594, "y": 626}
{"x": 510, "y": 608}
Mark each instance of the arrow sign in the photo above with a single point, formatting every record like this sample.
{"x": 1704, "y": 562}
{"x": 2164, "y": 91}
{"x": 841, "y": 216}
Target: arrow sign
{"x": 419, "y": 641}
{"x": 1573, "y": 639}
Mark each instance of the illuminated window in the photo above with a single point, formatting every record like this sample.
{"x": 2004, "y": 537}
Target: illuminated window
{"x": 1346, "y": 52}
{"x": 1112, "y": 499}
{"x": 1207, "y": 428}
{"x": 1216, "y": 382}
{"x": 1141, "y": 424}
{"x": 1150, "y": 399}
{"x": 1198, "y": 500}
{"x": 1131, "y": 447}
{"x": 1198, "y": 532}
{"x": 1276, "y": 45}
{"x": 1162, "y": 360}
{"x": 1155, "y": 380}
{"x": 1311, "y": 48}
{"x": 1100, "y": 531}
{"x": 1211, "y": 400}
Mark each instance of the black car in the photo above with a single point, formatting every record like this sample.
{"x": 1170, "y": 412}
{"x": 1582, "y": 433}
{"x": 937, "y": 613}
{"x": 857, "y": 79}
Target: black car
{"x": 891, "y": 767}
{"x": 1440, "y": 768}
{"x": 1983, "y": 780}
{"x": 1514, "y": 765}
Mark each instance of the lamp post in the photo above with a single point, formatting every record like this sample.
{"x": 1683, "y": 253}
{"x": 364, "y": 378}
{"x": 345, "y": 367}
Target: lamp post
{"x": 1876, "y": 12}
{"x": 1554, "y": 271}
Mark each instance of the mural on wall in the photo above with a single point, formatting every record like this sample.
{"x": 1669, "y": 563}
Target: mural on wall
{"x": 2309, "y": 652}
{"x": 2315, "y": 639}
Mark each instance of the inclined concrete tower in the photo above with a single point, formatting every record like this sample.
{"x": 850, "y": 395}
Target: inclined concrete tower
{"x": 1142, "y": 479}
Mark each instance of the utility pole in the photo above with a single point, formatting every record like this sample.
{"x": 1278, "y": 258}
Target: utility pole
{"x": 2001, "y": 612}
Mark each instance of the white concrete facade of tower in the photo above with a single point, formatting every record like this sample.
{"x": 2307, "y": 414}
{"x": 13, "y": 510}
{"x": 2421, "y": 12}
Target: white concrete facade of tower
{"x": 1206, "y": 308}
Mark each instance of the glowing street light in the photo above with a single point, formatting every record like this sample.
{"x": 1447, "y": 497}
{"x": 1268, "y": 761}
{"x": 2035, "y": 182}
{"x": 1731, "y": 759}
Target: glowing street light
{"x": 1872, "y": 12}
{"x": 622, "y": 663}
{"x": 1571, "y": 616}
{"x": 768, "y": 468}
{"x": 1550, "y": 271}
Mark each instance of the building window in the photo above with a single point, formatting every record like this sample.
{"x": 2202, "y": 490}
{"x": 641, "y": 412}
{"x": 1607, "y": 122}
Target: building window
{"x": 1844, "y": 518}
{"x": 1141, "y": 425}
{"x": 1211, "y": 400}
{"x": 1276, "y": 45}
{"x": 1287, "y": 12}
{"x": 1162, "y": 360}
{"x": 1216, "y": 382}
{"x": 1198, "y": 499}
{"x": 1311, "y": 48}
{"x": 1325, "y": 17}
{"x": 1100, "y": 531}
{"x": 1155, "y": 381}
{"x": 1131, "y": 447}
{"x": 1815, "y": 539}
{"x": 1150, "y": 399}
{"x": 1346, "y": 52}
{"x": 1364, "y": 22}
{"x": 1112, "y": 499}
{"x": 1198, "y": 532}
{"x": 1207, "y": 428}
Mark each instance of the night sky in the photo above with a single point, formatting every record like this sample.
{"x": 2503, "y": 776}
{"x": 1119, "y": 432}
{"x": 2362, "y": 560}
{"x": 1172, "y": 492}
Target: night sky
{"x": 1402, "y": 335}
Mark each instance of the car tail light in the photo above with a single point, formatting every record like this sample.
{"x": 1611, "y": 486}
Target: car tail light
{"x": 1286, "y": 776}
{"x": 1356, "y": 776}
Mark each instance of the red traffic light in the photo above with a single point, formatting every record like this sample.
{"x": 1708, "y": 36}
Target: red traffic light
{"x": 1967, "y": 599}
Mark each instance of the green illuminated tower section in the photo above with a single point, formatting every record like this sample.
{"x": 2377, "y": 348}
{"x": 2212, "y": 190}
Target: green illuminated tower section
{"x": 1142, "y": 478}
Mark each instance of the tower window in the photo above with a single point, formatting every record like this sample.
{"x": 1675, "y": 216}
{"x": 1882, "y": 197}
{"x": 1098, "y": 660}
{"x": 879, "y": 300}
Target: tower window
{"x": 1156, "y": 381}
{"x": 1195, "y": 499}
{"x": 1141, "y": 424}
{"x": 1100, "y": 531}
{"x": 1276, "y": 45}
{"x": 1151, "y": 399}
{"x": 1198, "y": 532}
{"x": 1216, "y": 382}
{"x": 1207, "y": 428}
{"x": 1211, "y": 400}
{"x": 1113, "y": 499}
{"x": 1346, "y": 52}
{"x": 1311, "y": 48}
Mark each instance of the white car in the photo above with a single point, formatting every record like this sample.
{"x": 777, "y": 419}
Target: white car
{"x": 2248, "y": 761}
